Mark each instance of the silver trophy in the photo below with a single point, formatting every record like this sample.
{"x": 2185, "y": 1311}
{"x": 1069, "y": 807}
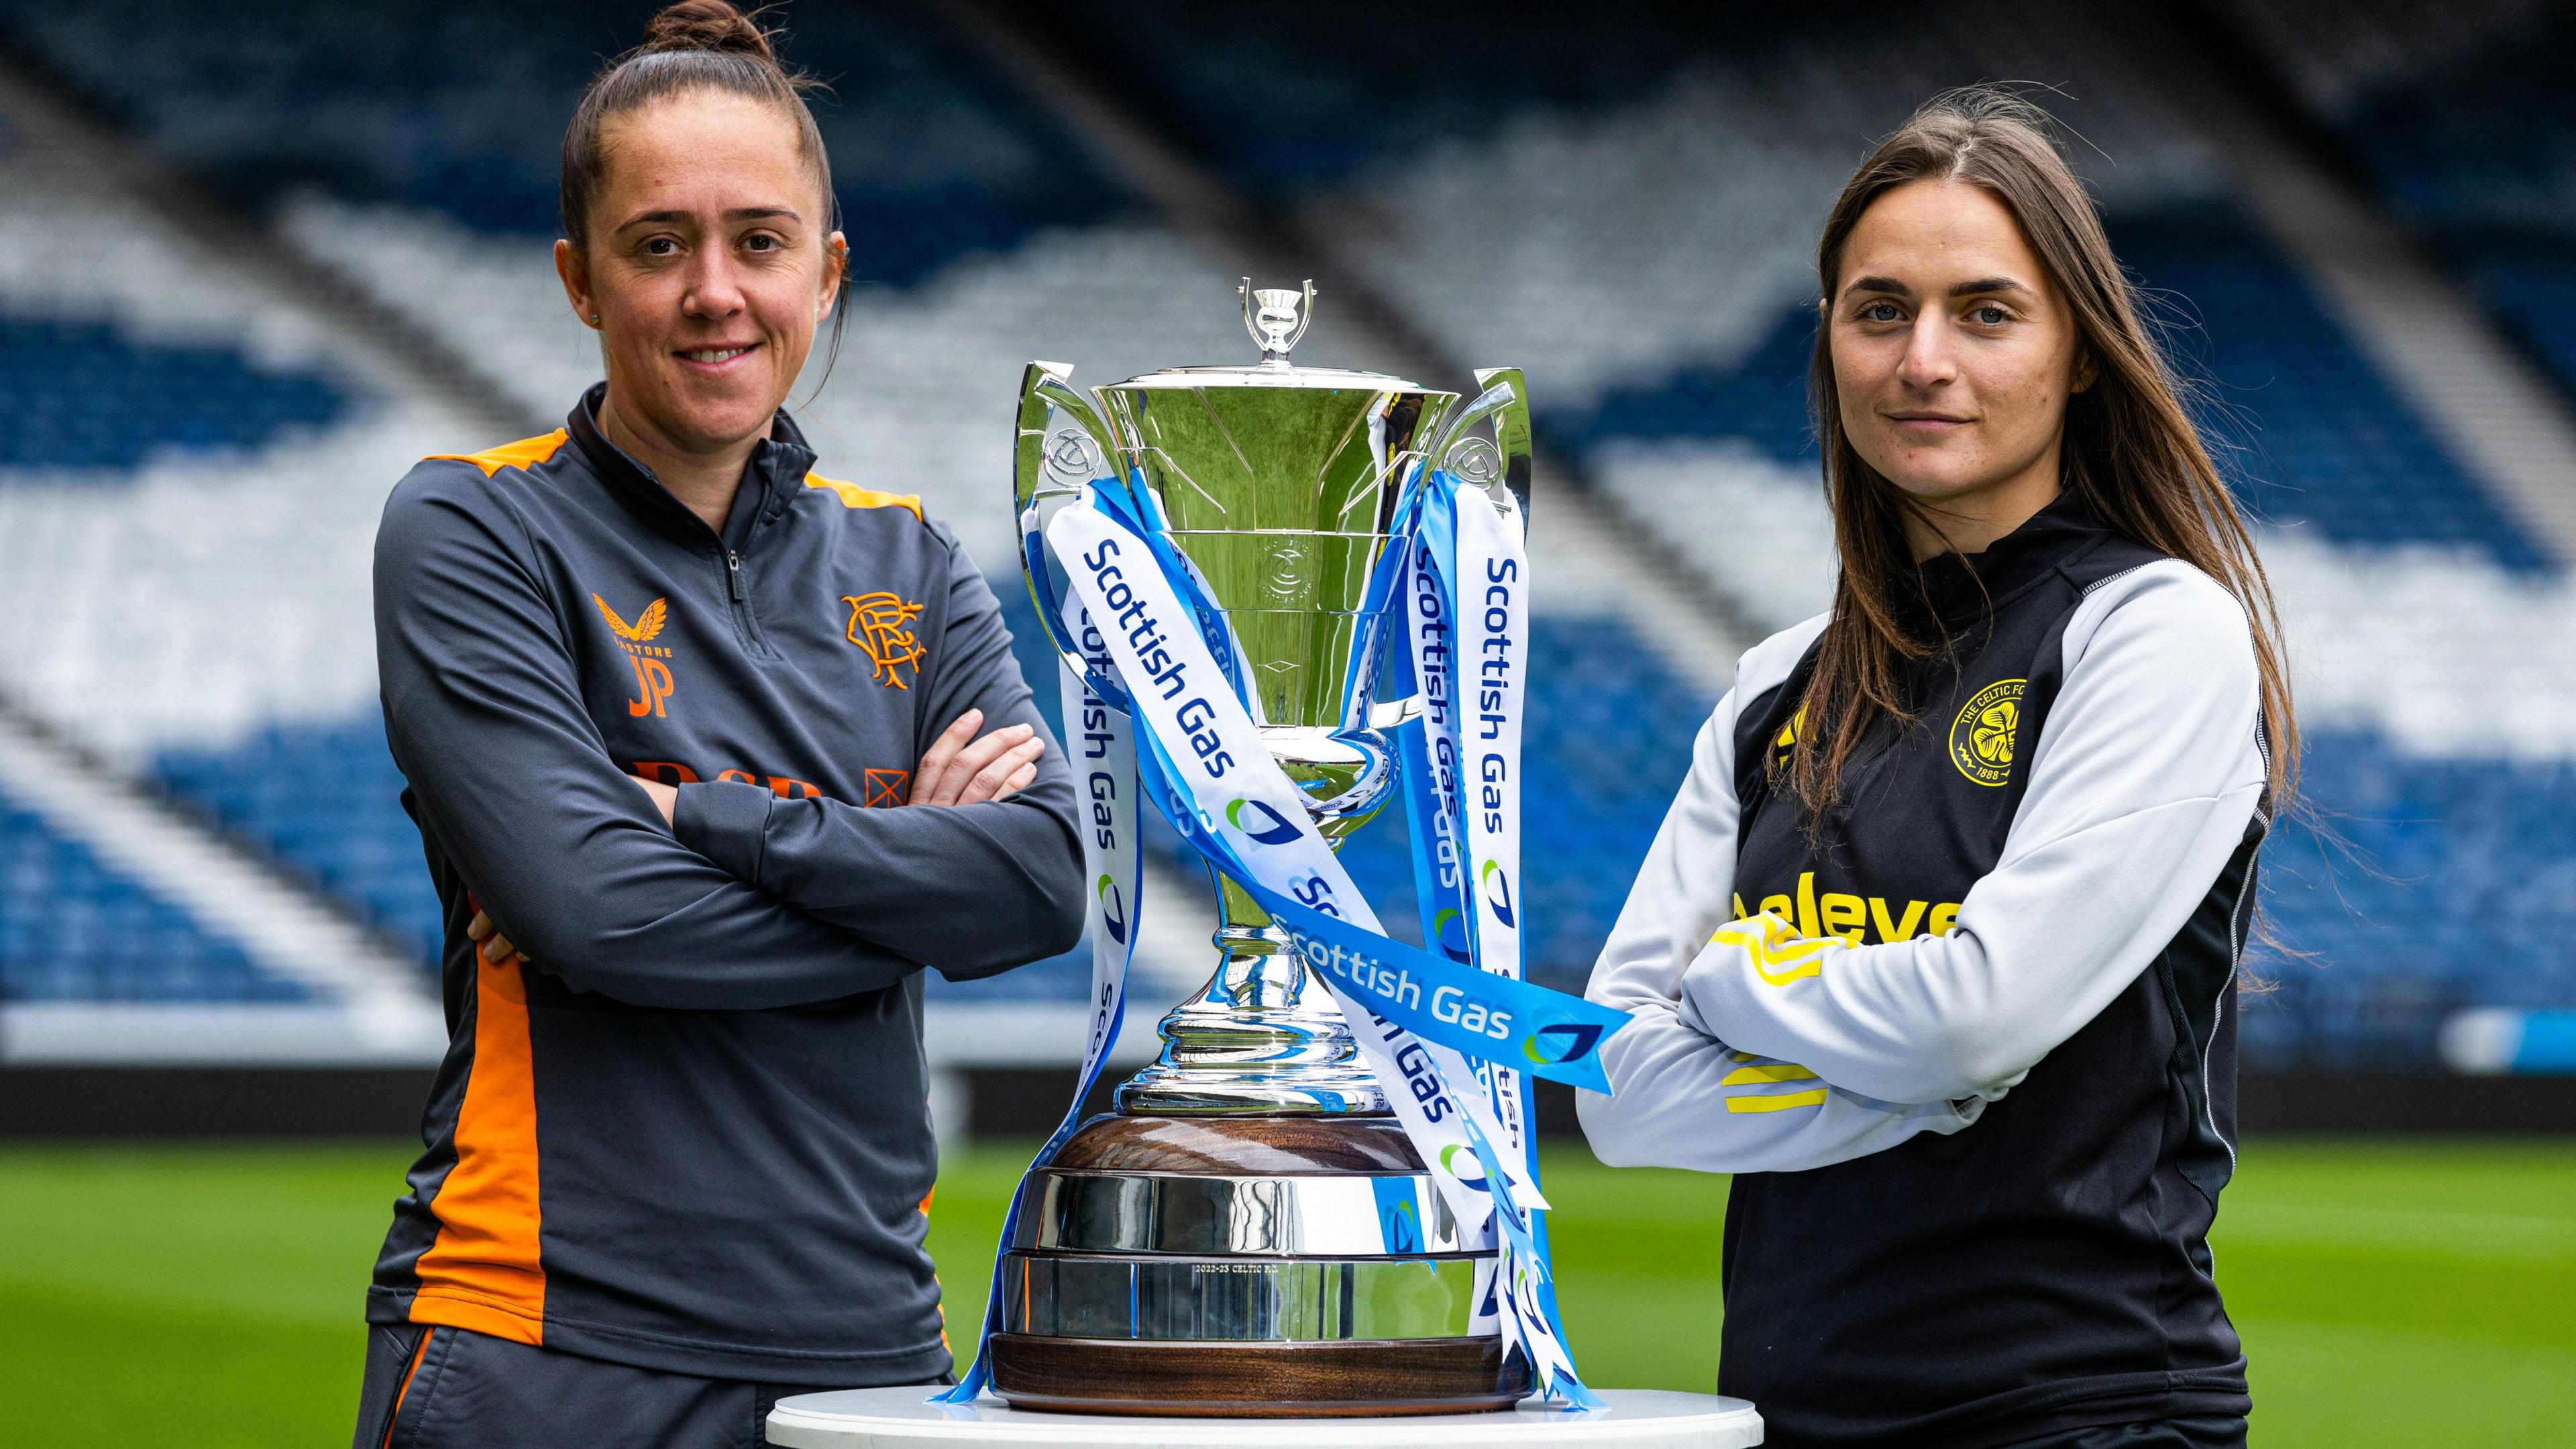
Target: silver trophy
{"x": 1252, "y": 1233}
{"x": 1278, "y": 484}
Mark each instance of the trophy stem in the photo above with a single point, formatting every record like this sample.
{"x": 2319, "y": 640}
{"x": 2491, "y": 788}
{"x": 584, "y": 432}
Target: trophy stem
{"x": 1262, "y": 1037}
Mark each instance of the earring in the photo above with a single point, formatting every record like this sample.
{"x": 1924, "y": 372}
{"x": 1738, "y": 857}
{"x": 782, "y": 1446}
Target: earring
{"x": 594, "y": 319}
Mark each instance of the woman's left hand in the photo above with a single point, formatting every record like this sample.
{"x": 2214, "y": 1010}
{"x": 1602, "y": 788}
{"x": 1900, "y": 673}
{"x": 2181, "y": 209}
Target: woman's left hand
{"x": 954, "y": 771}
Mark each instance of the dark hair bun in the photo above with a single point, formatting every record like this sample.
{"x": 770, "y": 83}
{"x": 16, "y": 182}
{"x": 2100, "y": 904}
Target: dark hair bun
{"x": 693, "y": 45}
{"x": 706, "y": 25}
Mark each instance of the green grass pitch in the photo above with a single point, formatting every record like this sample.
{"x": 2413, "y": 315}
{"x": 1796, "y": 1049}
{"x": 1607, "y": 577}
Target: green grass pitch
{"x": 2390, "y": 1292}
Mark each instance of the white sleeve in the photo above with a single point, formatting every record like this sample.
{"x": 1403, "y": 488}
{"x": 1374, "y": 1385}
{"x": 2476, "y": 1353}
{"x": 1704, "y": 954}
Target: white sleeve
{"x": 2148, "y": 771}
{"x": 1681, "y": 1097}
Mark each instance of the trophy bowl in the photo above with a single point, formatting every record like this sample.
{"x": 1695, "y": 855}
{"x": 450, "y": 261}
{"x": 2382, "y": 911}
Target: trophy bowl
{"x": 1251, "y": 1233}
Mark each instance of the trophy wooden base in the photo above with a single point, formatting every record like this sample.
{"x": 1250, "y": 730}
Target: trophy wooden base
{"x": 1256, "y": 1380}
{"x": 1240, "y": 1146}
{"x": 1256, "y": 1375}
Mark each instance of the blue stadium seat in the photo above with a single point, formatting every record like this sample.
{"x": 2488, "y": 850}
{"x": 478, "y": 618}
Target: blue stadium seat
{"x": 2527, "y": 277}
{"x": 73, "y": 930}
{"x": 85, "y": 395}
{"x": 2325, "y": 441}
{"x": 2406, "y": 889}
{"x": 1295, "y": 101}
{"x": 2480, "y": 152}
{"x": 459, "y": 107}
{"x": 325, "y": 800}
{"x": 1762, "y": 399}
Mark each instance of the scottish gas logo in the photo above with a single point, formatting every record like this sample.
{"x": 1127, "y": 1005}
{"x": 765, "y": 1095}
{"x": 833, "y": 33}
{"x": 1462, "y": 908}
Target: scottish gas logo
{"x": 1267, "y": 825}
{"x": 1496, "y": 882}
{"x": 1560, "y": 1042}
{"x": 1402, "y": 1228}
{"x": 1450, "y": 1164}
{"x": 1113, "y": 909}
{"x": 1449, "y": 927}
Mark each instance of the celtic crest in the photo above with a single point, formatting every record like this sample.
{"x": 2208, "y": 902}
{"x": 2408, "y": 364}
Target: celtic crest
{"x": 1982, "y": 738}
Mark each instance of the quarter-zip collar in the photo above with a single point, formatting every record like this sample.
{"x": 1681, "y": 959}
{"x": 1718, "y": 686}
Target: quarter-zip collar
{"x": 777, "y": 466}
{"x": 1957, "y": 590}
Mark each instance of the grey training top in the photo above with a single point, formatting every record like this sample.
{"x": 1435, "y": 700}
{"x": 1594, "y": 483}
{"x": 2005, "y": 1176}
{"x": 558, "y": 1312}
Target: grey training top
{"x": 688, "y": 1131}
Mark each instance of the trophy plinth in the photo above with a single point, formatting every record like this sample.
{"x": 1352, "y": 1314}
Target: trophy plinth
{"x": 1252, "y": 1234}
{"x": 1250, "y": 1267}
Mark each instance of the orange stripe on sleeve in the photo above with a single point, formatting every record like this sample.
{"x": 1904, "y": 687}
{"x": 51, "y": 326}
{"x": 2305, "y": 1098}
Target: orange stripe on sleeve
{"x": 483, "y": 1271}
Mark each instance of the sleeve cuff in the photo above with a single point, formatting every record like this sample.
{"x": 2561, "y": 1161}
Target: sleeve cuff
{"x": 727, "y": 822}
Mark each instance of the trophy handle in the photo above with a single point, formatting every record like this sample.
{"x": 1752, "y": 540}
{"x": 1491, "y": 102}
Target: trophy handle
{"x": 1512, "y": 433}
{"x": 1504, "y": 460}
{"x": 1044, "y": 457}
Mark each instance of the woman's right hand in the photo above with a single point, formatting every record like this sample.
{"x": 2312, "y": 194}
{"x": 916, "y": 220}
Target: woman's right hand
{"x": 959, "y": 769}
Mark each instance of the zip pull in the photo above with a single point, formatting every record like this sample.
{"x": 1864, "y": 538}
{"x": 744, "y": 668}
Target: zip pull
{"x": 733, "y": 573}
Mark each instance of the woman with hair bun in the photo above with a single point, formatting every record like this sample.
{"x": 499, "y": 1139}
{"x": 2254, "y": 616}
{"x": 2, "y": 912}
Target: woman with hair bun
{"x": 711, "y": 755}
{"x": 1937, "y": 949}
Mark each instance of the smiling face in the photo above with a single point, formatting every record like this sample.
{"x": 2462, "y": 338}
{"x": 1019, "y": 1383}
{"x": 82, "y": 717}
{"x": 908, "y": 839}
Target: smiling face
{"x": 1953, "y": 359}
{"x": 708, "y": 268}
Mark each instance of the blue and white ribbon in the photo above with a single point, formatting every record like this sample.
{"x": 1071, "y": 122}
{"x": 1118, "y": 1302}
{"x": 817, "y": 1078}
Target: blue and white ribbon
{"x": 1448, "y": 1030}
{"x": 1101, "y": 741}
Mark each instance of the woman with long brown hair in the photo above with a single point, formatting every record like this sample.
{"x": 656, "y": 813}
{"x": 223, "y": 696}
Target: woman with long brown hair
{"x": 1937, "y": 948}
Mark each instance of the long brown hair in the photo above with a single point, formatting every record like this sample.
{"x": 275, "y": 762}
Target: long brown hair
{"x": 2130, "y": 447}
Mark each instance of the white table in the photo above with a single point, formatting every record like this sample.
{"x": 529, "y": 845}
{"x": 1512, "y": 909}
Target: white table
{"x": 900, "y": 1418}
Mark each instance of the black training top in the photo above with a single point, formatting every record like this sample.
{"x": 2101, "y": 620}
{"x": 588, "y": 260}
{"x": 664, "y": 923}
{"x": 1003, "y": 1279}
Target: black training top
{"x": 1967, "y": 1044}
{"x": 2047, "y": 1267}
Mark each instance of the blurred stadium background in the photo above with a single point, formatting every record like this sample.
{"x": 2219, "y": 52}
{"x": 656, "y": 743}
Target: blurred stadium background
{"x": 255, "y": 258}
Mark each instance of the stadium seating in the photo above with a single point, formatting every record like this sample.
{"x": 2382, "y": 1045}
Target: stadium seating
{"x": 325, "y": 800}
{"x": 2462, "y": 115}
{"x": 1627, "y": 212}
{"x": 180, "y": 541}
{"x": 2407, "y": 889}
{"x": 74, "y": 930}
{"x": 458, "y": 109}
{"x": 83, "y": 397}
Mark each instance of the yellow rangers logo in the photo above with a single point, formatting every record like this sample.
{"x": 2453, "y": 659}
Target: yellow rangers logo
{"x": 877, "y": 626}
{"x": 1981, "y": 738}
